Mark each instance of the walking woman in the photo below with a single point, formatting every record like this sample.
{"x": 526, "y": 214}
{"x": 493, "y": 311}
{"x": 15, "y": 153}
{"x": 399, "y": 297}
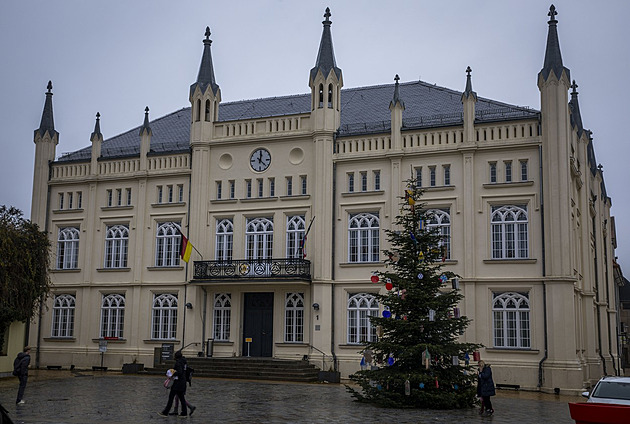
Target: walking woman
{"x": 179, "y": 386}
{"x": 485, "y": 388}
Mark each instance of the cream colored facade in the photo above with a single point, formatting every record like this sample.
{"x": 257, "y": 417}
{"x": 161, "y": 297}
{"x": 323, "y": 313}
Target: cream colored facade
{"x": 562, "y": 267}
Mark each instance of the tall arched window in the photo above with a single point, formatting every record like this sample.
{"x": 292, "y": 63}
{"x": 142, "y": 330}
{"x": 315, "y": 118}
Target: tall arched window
{"x": 116, "y": 246}
{"x": 259, "y": 238}
{"x": 511, "y": 320}
{"x": 68, "y": 248}
{"x": 321, "y": 95}
{"x": 168, "y": 241}
{"x": 361, "y": 307}
{"x": 441, "y": 220}
{"x": 222, "y": 315}
{"x": 224, "y": 240}
{"x": 164, "y": 316}
{"x": 198, "y": 111}
{"x": 296, "y": 227}
{"x": 509, "y": 232}
{"x": 207, "y": 114}
{"x": 112, "y": 315}
{"x": 63, "y": 316}
{"x": 330, "y": 96}
{"x": 363, "y": 238}
{"x": 294, "y": 318}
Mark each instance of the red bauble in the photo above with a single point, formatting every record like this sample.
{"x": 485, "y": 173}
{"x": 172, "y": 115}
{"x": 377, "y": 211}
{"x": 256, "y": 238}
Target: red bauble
{"x": 389, "y": 286}
{"x": 374, "y": 278}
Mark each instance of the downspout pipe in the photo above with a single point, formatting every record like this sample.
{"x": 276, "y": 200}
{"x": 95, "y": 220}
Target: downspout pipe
{"x": 599, "y": 318}
{"x": 203, "y": 322}
{"x": 612, "y": 358}
{"x": 186, "y": 270}
{"x": 544, "y": 270}
{"x": 332, "y": 253}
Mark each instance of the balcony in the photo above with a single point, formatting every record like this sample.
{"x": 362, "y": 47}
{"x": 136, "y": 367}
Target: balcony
{"x": 253, "y": 269}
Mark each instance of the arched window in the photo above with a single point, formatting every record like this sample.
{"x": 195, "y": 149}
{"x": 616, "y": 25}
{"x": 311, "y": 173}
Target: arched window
{"x": 361, "y": 307}
{"x": 296, "y": 227}
{"x": 198, "y": 111}
{"x": 294, "y": 318}
{"x": 207, "y": 114}
{"x": 63, "y": 316}
{"x": 224, "y": 240}
{"x": 259, "y": 238}
{"x": 511, "y": 320}
{"x": 363, "y": 238}
{"x": 509, "y": 232}
{"x": 116, "y": 246}
{"x": 321, "y": 95}
{"x": 330, "y": 96}
{"x": 68, "y": 248}
{"x": 164, "y": 316}
{"x": 168, "y": 242}
{"x": 222, "y": 314}
{"x": 112, "y": 315}
{"x": 441, "y": 220}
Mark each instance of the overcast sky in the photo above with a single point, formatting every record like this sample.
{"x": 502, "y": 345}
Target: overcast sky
{"x": 116, "y": 57}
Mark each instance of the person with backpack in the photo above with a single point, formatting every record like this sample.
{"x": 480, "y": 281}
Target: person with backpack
{"x": 20, "y": 370}
{"x": 179, "y": 386}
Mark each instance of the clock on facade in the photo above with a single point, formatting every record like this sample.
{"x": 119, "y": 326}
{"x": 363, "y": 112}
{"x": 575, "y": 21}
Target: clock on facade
{"x": 260, "y": 160}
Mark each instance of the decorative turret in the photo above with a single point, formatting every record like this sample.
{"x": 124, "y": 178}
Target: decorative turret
{"x": 576, "y": 117}
{"x": 469, "y": 98}
{"x": 205, "y": 96}
{"x": 145, "y": 139}
{"x": 97, "y": 140}
{"x": 326, "y": 80}
{"x": 553, "y": 58}
{"x": 396, "y": 107}
{"x": 46, "y": 139}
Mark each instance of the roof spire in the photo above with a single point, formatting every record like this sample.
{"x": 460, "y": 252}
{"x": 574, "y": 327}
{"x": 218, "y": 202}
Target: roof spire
{"x": 326, "y": 54}
{"x": 145, "y": 126}
{"x": 396, "y": 100}
{"x": 469, "y": 91}
{"x": 97, "y": 127}
{"x": 205, "y": 77}
{"x": 574, "y": 106}
{"x": 553, "y": 58}
{"x": 47, "y": 123}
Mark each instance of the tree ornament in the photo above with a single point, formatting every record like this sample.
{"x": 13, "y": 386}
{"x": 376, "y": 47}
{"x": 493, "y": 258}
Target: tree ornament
{"x": 407, "y": 388}
{"x": 455, "y": 360}
{"x": 420, "y": 276}
{"x": 457, "y": 313}
{"x": 374, "y": 278}
{"x": 426, "y": 356}
{"x": 390, "y": 361}
{"x": 455, "y": 283}
{"x": 431, "y": 315}
{"x": 420, "y": 256}
{"x": 403, "y": 294}
{"x": 466, "y": 359}
{"x": 455, "y": 387}
{"x": 387, "y": 314}
{"x": 437, "y": 385}
{"x": 421, "y": 385}
{"x": 389, "y": 286}
{"x": 443, "y": 278}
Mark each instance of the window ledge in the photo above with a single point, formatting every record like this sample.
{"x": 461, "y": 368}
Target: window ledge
{"x": 511, "y": 350}
{"x": 358, "y": 264}
{"x": 509, "y": 261}
{"x": 161, "y": 341}
{"x": 223, "y": 201}
{"x": 512, "y": 184}
{"x": 361, "y": 193}
{"x": 60, "y": 339}
{"x": 254, "y": 199}
{"x": 113, "y": 269}
{"x": 437, "y": 188}
{"x": 167, "y": 204}
{"x": 291, "y": 344}
{"x": 67, "y": 210}
{"x": 116, "y": 208}
{"x": 110, "y": 340}
{"x": 223, "y": 342}
{"x": 166, "y": 268}
{"x": 359, "y": 346}
{"x": 66, "y": 270}
{"x": 296, "y": 196}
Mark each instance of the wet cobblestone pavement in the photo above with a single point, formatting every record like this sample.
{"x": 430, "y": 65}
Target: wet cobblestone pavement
{"x": 95, "y": 397}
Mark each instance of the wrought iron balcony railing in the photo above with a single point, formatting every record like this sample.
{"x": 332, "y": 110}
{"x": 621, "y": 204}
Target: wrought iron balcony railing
{"x": 286, "y": 269}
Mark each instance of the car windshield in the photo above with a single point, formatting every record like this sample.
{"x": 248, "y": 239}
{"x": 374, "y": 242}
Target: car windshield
{"x": 612, "y": 390}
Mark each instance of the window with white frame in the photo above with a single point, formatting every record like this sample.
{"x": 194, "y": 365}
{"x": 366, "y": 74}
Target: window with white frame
{"x": 493, "y": 172}
{"x": 160, "y": 194}
{"x": 304, "y": 185}
{"x": 116, "y": 246}
{"x": 63, "y": 316}
{"x": 294, "y": 318}
{"x": 351, "y": 182}
{"x": 164, "y": 316}
{"x": 180, "y": 193}
{"x": 128, "y": 197}
{"x": 447, "y": 174}
{"x": 170, "y": 193}
{"x": 272, "y": 187}
{"x": 232, "y": 189}
{"x": 222, "y": 315}
{"x": 68, "y": 248}
{"x": 364, "y": 182}
{"x": 363, "y": 238}
{"x": 432, "y": 178}
{"x": 509, "y": 232}
{"x": 418, "y": 176}
{"x": 70, "y": 200}
{"x": 289, "y": 186}
{"x": 61, "y": 200}
{"x": 296, "y": 226}
{"x": 119, "y": 197}
{"x": 112, "y": 315}
{"x": 508, "y": 171}
{"x": 224, "y": 240}
{"x": 511, "y": 327}
{"x": 259, "y": 181}
{"x": 377, "y": 180}
{"x": 219, "y": 190}
{"x": 440, "y": 219}
{"x": 80, "y": 200}
{"x": 361, "y": 307}
{"x": 259, "y": 238}
{"x": 167, "y": 244}
{"x": 524, "y": 173}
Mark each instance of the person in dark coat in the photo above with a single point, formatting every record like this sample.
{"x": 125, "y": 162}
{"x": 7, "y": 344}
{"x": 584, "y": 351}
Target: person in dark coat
{"x": 485, "y": 388}
{"x": 20, "y": 366}
{"x": 179, "y": 386}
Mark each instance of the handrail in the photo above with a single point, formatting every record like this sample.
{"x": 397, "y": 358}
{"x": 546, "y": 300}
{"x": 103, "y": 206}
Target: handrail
{"x": 324, "y": 355}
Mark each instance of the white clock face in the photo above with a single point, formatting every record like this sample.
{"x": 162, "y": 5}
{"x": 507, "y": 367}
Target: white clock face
{"x": 260, "y": 160}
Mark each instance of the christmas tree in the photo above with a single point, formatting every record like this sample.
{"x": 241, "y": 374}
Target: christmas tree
{"x": 414, "y": 358}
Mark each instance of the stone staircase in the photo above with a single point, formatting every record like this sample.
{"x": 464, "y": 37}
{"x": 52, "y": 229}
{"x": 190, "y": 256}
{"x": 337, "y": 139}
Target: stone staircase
{"x": 248, "y": 368}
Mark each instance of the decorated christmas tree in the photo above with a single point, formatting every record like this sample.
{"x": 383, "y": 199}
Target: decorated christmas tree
{"x": 413, "y": 357}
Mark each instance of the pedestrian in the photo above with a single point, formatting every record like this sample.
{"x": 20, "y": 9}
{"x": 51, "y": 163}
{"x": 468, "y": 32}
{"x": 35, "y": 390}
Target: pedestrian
{"x": 20, "y": 370}
{"x": 179, "y": 386}
{"x": 169, "y": 382}
{"x": 485, "y": 388}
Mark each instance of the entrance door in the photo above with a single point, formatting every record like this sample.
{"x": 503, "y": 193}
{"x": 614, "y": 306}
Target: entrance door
{"x": 258, "y": 324}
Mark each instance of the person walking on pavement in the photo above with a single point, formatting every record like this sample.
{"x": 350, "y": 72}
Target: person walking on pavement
{"x": 179, "y": 386}
{"x": 20, "y": 370}
{"x": 485, "y": 388}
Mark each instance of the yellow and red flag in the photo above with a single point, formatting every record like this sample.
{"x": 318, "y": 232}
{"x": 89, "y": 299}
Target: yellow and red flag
{"x": 185, "y": 249}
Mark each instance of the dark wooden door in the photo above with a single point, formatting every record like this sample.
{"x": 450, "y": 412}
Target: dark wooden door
{"x": 258, "y": 324}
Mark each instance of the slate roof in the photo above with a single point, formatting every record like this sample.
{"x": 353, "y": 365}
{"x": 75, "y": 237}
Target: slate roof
{"x": 364, "y": 110}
